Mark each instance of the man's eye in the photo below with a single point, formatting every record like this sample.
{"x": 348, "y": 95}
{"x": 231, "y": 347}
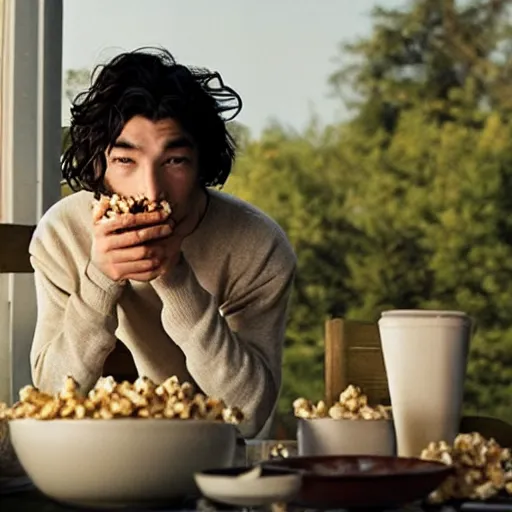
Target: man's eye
{"x": 123, "y": 160}
{"x": 176, "y": 160}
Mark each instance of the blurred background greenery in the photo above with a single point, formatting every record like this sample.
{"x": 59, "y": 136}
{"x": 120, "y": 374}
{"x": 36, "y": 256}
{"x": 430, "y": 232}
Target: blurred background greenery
{"x": 409, "y": 203}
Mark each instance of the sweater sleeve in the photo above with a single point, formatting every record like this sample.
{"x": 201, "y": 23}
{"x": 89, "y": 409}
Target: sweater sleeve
{"x": 233, "y": 350}
{"x": 76, "y": 316}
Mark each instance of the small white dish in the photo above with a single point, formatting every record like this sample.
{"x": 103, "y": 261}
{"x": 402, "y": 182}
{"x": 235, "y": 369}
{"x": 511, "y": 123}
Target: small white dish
{"x": 243, "y": 487}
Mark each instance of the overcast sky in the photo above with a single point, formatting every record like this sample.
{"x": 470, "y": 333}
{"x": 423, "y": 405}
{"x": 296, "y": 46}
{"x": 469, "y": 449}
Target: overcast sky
{"x": 277, "y": 54}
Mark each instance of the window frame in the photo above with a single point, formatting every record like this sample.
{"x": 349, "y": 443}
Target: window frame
{"x": 30, "y": 143}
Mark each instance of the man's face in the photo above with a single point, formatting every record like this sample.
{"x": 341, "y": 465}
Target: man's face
{"x": 157, "y": 159}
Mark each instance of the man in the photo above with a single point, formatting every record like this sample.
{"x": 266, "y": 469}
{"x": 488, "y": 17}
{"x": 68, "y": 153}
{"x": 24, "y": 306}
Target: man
{"x": 201, "y": 295}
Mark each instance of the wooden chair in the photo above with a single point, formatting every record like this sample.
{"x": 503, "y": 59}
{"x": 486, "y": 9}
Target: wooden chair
{"x": 120, "y": 364}
{"x": 15, "y": 258}
{"x": 353, "y": 355}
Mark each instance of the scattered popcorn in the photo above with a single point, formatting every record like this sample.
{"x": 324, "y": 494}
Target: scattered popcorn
{"x": 352, "y": 404}
{"x": 109, "y": 399}
{"x": 482, "y": 469}
{"x": 279, "y": 451}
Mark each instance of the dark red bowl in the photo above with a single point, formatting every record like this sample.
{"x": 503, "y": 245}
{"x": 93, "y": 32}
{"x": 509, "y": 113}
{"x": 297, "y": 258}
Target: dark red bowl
{"x": 356, "y": 482}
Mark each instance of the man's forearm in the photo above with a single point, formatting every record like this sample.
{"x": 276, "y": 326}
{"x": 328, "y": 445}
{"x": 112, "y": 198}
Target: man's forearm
{"x": 220, "y": 363}
{"x": 74, "y": 334}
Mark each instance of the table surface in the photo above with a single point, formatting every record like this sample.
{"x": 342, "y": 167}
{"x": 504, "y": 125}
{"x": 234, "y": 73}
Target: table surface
{"x": 28, "y": 499}
{"x": 34, "y": 501}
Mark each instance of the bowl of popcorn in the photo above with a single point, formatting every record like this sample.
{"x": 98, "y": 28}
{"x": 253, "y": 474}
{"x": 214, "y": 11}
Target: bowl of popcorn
{"x": 349, "y": 427}
{"x": 121, "y": 444}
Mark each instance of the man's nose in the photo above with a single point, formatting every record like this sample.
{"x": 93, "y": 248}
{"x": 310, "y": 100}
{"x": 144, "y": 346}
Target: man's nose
{"x": 152, "y": 186}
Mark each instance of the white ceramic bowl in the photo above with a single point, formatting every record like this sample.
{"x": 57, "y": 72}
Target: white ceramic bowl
{"x": 327, "y": 436}
{"x": 111, "y": 463}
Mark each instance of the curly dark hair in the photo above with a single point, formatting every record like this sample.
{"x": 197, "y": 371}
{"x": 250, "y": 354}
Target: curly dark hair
{"x": 150, "y": 83}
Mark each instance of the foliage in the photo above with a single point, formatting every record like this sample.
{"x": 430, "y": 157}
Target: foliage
{"x": 450, "y": 59}
{"x": 76, "y": 81}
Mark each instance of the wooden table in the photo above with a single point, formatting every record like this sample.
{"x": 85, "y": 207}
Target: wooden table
{"x": 34, "y": 501}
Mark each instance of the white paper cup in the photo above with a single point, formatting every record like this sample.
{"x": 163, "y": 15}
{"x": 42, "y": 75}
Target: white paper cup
{"x": 425, "y": 355}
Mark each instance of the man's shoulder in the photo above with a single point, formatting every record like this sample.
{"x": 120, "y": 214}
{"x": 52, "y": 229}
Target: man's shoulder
{"x": 69, "y": 209}
{"x": 69, "y": 215}
{"x": 245, "y": 216}
{"x": 250, "y": 226}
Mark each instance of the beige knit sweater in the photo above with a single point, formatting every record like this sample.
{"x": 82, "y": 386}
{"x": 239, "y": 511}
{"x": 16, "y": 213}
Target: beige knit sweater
{"x": 218, "y": 320}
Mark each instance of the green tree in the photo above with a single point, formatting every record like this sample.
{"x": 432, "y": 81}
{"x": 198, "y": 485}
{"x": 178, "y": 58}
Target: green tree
{"x": 240, "y": 133}
{"x": 432, "y": 196}
{"x": 450, "y": 58}
{"x": 75, "y": 82}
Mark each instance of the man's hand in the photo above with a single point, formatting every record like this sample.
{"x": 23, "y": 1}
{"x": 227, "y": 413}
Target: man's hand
{"x": 132, "y": 246}
{"x": 172, "y": 249}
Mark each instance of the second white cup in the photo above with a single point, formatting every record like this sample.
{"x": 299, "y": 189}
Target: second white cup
{"x": 425, "y": 355}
